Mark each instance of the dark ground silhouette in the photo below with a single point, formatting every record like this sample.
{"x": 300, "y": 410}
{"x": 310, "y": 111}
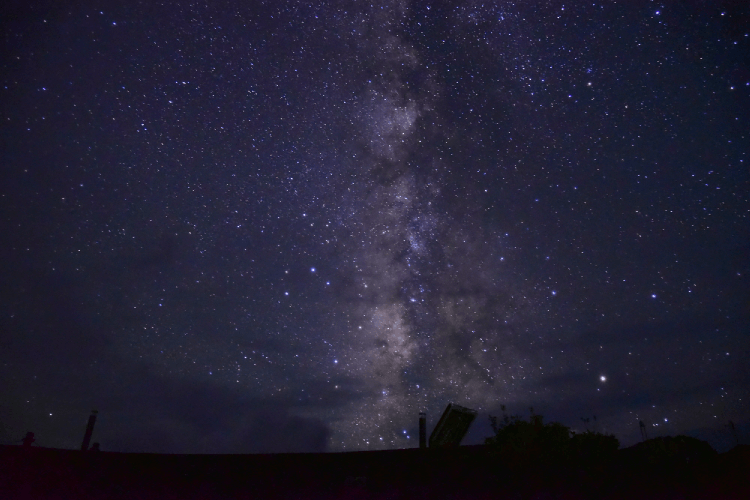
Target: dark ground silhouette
{"x": 678, "y": 467}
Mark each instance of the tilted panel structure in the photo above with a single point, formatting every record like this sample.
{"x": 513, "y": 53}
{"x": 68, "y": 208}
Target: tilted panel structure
{"x": 452, "y": 426}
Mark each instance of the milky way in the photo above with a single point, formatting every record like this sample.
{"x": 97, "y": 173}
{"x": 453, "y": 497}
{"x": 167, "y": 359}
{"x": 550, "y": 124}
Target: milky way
{"x": 281, "y": 227}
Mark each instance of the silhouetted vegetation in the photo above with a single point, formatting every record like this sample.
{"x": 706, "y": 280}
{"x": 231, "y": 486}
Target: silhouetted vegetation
{"x": 520, "y": 444}
{"x": 530, "y": 455}
{"x": 533, "y": 458}
{"x": 28, "y": 440}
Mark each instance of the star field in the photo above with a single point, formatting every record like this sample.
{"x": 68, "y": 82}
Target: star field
{"x": 267, "y": 227}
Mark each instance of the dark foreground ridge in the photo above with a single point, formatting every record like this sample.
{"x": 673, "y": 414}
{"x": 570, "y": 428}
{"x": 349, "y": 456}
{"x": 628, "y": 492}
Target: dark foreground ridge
{"x": 653, "y": 469}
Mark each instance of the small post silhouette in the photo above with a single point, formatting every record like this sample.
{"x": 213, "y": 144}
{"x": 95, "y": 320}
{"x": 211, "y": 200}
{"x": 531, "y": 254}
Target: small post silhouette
{"x": 422, "y": 430}
{"x": 644, "y": 436}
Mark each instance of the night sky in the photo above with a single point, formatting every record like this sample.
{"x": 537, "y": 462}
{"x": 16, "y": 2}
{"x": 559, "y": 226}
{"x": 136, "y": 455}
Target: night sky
{"x": 263, "y": 227}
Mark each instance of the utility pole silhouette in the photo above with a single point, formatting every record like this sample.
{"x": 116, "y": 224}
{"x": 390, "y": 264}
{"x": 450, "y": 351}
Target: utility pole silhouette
{"x": 644, "y": 436}
{"x": 89, "y": 430}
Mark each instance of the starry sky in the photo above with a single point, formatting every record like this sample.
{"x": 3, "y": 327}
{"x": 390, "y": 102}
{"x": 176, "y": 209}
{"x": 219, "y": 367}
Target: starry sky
{"x": 241, "y": 227}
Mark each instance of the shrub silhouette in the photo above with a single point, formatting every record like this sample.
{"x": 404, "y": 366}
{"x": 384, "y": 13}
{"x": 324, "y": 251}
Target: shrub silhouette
{"x": 520, "y": 444}
{"x": 593, "y": 448}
